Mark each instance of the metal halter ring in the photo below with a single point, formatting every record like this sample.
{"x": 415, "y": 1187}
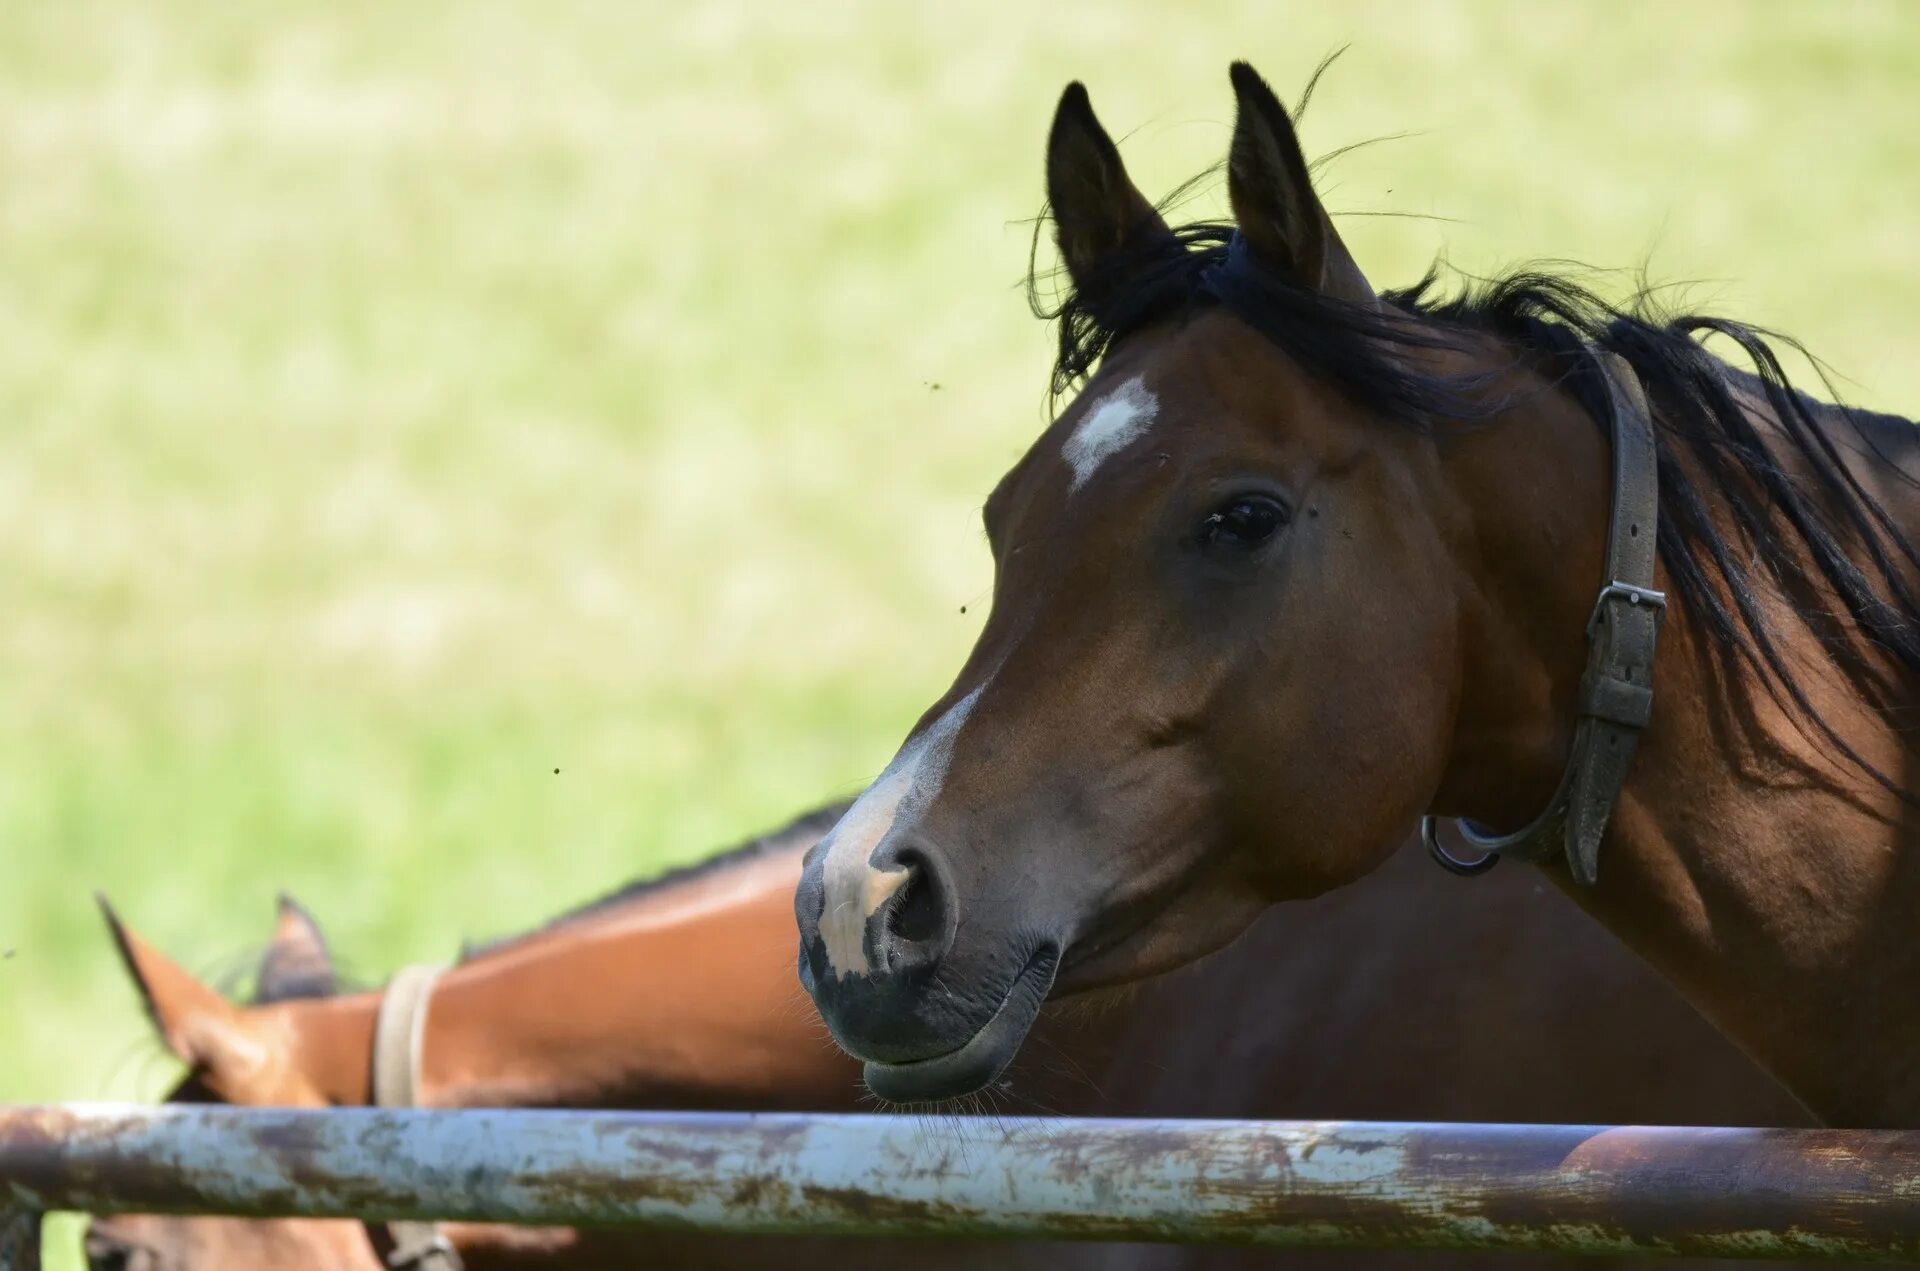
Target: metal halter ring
{"x": 1430, "y": 835}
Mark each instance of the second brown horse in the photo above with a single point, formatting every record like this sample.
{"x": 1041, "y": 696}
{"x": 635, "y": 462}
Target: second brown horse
{"x": 1418, "y": 998}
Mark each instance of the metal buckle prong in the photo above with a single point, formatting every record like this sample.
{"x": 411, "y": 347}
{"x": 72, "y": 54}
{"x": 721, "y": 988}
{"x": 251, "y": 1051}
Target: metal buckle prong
{"x": 1617, "y": 590}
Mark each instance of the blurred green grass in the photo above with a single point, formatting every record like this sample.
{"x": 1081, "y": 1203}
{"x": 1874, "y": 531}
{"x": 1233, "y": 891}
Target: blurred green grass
{"x": 400, "y": 403}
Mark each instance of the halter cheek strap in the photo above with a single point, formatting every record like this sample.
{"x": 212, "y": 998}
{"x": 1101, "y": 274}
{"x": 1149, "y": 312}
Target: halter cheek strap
{"x": 398, "y": 1032}
{"x": 1616, "y": 691}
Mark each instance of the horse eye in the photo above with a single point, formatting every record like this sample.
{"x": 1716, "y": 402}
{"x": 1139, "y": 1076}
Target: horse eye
{"x": 1246, "y": 521}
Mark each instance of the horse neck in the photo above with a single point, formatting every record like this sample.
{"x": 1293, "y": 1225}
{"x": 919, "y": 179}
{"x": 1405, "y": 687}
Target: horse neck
{"x": 1766, "y": 881}
{"x": 685, "y": 997}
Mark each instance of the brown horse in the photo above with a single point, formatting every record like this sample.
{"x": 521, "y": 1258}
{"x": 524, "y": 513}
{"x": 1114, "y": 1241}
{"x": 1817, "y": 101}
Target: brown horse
{"x": 1305, "y": 562}
{"x": 681, "y": 993}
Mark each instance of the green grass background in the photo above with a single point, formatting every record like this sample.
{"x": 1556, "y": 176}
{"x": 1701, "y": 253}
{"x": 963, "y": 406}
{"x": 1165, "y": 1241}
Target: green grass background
{"x": 401, "y": 402}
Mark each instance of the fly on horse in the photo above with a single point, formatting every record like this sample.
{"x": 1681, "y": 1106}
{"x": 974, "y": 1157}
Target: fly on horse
{"x": 679, "y": 993}
{"x": 1305, "y": 562}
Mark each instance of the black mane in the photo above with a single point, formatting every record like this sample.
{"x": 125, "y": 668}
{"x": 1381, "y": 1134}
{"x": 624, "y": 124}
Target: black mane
{"x": 803, "y": 831}
{"x": 1735, "y": 518}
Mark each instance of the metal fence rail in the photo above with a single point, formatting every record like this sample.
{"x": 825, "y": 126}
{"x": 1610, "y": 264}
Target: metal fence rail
{"x": 1578, "y": 1189}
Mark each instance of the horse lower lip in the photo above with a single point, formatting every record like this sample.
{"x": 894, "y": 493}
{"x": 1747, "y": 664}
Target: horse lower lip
{"x": 983, "y": 1057}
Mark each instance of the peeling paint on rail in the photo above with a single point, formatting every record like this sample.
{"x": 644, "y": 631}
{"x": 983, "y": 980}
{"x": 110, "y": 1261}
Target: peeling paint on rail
{"x": 1577, "y": 1189}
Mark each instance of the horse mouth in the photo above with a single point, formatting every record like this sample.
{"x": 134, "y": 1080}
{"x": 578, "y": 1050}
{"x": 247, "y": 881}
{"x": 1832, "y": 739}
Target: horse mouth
{"x": 977, "y": 1062}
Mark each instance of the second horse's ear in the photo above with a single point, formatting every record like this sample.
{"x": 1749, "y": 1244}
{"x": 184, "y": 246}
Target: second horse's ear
{"x": 1095, "y": 207}
{"x": 296, "y": 964}
{"x": 1279, "y": 215}
{"x": 237, "y": 1054}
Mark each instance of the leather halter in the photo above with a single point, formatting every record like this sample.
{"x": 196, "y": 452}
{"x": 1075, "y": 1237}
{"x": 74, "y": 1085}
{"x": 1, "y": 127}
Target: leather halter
{"x": 1616, "y": 692}
{"x": 398, "y": 1031}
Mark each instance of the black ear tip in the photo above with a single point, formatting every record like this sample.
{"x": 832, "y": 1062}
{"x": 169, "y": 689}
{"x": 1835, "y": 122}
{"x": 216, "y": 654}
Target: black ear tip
{"x": 1076, "y": 127}
{"x": 1075, "y": 105}
{"x": 122, "y": 940}
{"x": 1248, "y": 87}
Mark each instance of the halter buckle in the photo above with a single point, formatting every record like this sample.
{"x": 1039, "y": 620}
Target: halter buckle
{"x": 1632, "y": 595}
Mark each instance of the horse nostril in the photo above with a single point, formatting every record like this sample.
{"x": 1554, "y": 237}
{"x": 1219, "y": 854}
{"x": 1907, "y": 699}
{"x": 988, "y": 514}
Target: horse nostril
{"x": 917, "y": 915}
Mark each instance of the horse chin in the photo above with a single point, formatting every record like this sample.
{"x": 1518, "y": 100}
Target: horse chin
{"x": 978, "y": 1062}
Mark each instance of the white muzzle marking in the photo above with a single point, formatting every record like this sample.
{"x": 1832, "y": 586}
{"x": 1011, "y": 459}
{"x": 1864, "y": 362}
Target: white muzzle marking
{"x": 853, "y": 887}
{"x": 1114, "y": 422}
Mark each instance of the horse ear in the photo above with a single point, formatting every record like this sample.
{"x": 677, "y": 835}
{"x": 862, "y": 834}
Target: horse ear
{"x": 1096, "y": 208}
{"x": 296, "y": 964}
{"x": 1279, "y": 215}
{"x": 233, "y": 1054}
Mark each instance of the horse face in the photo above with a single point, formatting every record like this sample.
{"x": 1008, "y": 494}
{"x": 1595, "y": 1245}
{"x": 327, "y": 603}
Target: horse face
{"x": 1213, "y": 675}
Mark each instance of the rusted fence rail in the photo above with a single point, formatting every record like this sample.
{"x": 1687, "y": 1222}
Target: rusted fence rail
{"x": 1581, "y": 1189}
